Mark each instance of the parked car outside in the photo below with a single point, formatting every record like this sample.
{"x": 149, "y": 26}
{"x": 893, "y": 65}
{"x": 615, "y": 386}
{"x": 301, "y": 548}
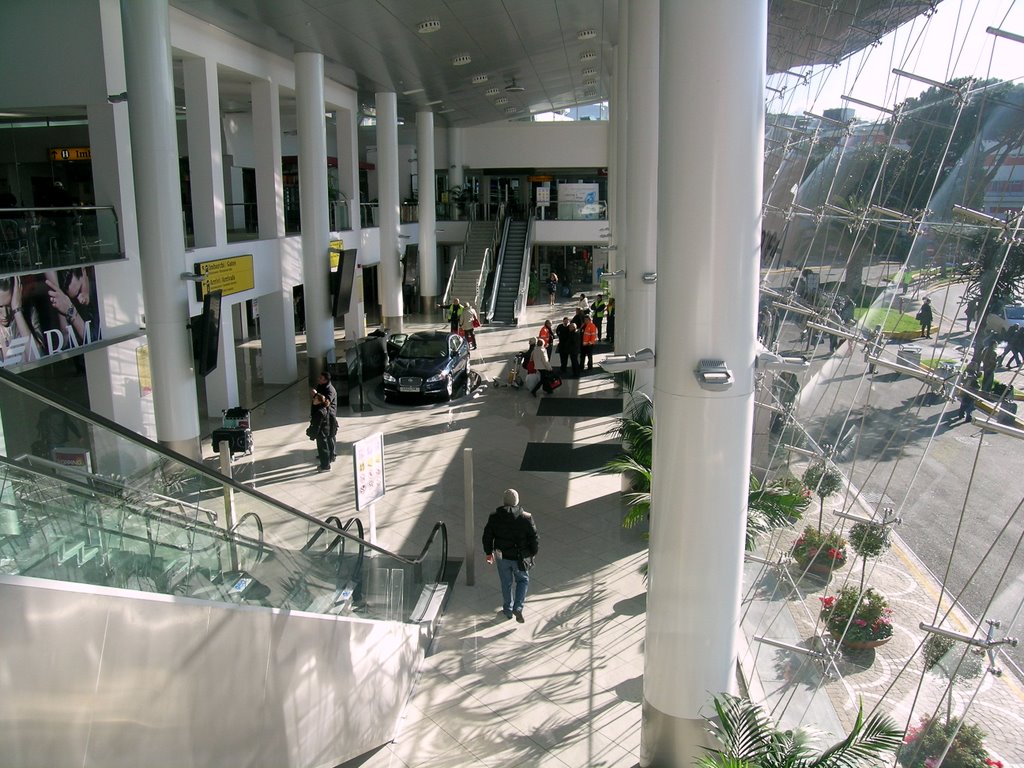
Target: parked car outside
{"x": 429, "y": 364}
{"x": 1011, "y": 314}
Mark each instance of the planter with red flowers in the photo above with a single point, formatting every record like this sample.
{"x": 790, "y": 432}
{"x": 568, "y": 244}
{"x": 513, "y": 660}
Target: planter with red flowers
{"x": 819, "y": 553}
{"x": 962, "y": 743}
{"x": 858, "y": 620}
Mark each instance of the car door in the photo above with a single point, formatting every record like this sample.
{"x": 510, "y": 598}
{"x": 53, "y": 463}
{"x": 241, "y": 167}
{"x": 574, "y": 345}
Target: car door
{"x": 458, "y": 351}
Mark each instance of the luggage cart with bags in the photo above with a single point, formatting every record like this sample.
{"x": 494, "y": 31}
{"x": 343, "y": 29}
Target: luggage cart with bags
{"x": 236, "y": 429}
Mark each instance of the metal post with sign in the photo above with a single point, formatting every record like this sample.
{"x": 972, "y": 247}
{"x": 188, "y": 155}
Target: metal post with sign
{"x": 368, "y": 463}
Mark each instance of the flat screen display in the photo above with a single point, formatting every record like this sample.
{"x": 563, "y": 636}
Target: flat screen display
{"x": 342, "y": 281}
{"x": 209, "y": 333}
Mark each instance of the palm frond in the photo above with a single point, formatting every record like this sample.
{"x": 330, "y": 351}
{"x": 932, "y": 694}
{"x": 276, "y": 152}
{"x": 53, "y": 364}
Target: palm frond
{"x": 867, "y": 741}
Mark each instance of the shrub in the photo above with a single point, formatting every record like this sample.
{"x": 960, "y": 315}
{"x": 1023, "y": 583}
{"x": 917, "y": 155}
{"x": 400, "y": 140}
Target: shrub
{"x": 924, "y": 743}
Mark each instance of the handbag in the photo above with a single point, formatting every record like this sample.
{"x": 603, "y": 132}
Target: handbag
{"x": 525, "y": 564}
{"x": 311, "y": 432}
{"x": 476, "y": 322}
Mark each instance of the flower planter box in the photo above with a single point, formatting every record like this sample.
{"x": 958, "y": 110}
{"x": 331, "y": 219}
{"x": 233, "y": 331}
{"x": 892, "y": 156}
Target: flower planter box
{"x": 862, "y": 645}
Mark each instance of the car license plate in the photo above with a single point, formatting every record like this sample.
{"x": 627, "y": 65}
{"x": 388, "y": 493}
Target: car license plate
{"x": 408, "y": 388}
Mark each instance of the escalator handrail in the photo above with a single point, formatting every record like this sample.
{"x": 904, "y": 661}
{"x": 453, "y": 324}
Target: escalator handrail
{"x": 18, "y": 384}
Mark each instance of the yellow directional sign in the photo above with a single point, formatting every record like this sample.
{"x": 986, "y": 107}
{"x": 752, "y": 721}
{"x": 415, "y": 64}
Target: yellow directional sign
{"x": 231, "y": 275}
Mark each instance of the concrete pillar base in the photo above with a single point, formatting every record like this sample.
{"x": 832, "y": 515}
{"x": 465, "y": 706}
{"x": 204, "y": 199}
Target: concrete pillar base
{"x": 189, "y": 447}
{"x": 394, "y": 324}
{"x": 428, "y": 305}
{"x": 671, "y": 742}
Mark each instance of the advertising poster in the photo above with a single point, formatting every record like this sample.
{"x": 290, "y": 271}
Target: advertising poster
{"x": 46, "y": 313}
{"x": 368, "y": 455}
{"x": 578, "y": 201}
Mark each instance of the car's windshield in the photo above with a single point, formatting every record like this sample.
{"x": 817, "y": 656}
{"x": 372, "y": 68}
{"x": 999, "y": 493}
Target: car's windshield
{"x": 436, "y": 347}
{"x": 1015, "y": 313}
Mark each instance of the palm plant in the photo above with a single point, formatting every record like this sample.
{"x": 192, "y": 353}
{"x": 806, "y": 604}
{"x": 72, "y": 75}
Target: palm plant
{"x": 635, "y": 429}
{"x": 751, "y": 739}
{"x": 773, "y": 505}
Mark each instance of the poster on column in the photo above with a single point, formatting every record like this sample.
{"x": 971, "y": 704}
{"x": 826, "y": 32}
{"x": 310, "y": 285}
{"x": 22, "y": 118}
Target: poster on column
{"x": 46, "y": 313}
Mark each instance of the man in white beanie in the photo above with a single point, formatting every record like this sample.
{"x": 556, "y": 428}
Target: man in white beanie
{"x": 510, "y": 539}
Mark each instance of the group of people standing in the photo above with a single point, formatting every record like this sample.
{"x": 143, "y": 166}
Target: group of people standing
{"x": 576, "y": 338}
{"x": 463, "y": 320}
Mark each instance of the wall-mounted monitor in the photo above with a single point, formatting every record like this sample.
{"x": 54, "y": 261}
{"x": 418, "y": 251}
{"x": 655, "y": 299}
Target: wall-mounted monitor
{"x": 342, "y": 280}
{"x": 209, "y": 334}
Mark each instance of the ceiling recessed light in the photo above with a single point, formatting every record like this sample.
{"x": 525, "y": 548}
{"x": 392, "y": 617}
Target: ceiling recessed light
{"x": 411, "y": 92}
{"x": 586, "y": 34}
{"x": 511, "y": 110}
{"x": 501, "y": 101}
{"x": 491, "y": 92}
{"x": 428, "y": 26}
{"x": 514, "y": 87}
{"x": 588, "y": 56}
{"x": 462, "y": 60}
{"x": 589, "y": 71}
{"x": 479, "y": 79}
{"x": 590, "y": 92}
{"x": 445, "y": 110}
{"x": 432, "y": 103}
{"x": 590, "y": 81}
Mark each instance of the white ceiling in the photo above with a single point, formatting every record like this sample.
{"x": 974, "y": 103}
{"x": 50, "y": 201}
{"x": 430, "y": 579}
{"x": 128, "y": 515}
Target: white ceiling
{"x": 373, "y": 45}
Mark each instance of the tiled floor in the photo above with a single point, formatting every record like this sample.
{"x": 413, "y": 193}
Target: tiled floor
{"x": 563, "y": 689}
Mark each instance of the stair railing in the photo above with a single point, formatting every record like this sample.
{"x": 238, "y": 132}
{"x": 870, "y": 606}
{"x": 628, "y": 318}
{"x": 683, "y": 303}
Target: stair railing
{"x": 524, "y": 276}
{"x": 458, "y": 261}
{"x": 496, "y": 285}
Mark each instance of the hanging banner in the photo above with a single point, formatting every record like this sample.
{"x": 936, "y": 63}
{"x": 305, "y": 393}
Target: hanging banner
{"x": 48, "y": 312}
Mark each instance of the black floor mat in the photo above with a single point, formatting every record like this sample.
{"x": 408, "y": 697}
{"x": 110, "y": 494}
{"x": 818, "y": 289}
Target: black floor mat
{"x": 566, "y": 457}
{"x": 580, "y": 406}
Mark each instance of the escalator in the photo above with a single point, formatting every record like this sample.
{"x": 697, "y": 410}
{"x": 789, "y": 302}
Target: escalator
{"x": 156, "y": 612}
{"x": 509, "y": 279}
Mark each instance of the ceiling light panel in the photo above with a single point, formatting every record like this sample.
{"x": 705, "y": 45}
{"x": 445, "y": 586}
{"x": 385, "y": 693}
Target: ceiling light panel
{"x": 462, "y": 60}
{"x": 427, "y": 26}
{"x": 589, "y": 71}
{"x": 586, "y": 34}
{"x": 501, "y": 101}
{"x": 492, "y": 92}
{"x": 588, "y": 56}
{"x": 479, "y": 79}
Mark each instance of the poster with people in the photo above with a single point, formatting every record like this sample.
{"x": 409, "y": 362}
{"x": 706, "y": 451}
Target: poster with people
{"x": 47, "y": 313}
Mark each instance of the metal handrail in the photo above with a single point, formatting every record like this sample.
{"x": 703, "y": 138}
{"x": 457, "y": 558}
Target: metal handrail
{"x": 18, "y": 384}
{"x": 496, "y": 286}
{"x": 524, "y": 276}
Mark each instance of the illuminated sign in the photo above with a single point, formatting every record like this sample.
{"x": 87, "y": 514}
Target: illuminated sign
{"x": 230, "y": 275}
{"x": 70, "y": 153}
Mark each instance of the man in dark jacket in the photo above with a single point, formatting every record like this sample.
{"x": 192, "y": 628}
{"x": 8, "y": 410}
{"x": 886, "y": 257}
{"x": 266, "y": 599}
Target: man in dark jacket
{"x": 326, "y": 388}
{"x": 924, "y": 317}
{"x": 510, "y": 539}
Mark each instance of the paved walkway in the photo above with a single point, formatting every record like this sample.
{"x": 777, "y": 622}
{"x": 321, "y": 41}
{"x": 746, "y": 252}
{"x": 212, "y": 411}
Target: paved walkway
{"x": 565, "y": 688}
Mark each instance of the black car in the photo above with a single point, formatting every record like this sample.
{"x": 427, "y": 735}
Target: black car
{"x": 430, "y": 363}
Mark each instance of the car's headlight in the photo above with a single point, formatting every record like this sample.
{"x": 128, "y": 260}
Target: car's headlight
{"x": 389, "y": 378}
{"x": 436, "y": 377}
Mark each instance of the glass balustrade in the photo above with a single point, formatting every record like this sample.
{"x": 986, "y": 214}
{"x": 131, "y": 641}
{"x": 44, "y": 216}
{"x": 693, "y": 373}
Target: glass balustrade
{"x": 38, "y": 239}
{"x": 83, "y": 500}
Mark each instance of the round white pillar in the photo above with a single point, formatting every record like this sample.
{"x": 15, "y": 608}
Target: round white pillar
{"x": 641, "y": 198}
{"x": 147, "y": 59}
{"x": 456, "y": 162}
{"x": 709, "y": 208}
{"x": 428, "y": 284}
{"x": 390, "y": 283}
{"x": 312, "y": 134}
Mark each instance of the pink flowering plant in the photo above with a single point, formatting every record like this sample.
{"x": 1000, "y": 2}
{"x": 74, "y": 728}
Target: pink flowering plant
{"x": 924, "y": 744}
{"x": 825, "y": 549}
{"x": 857, "y": 617}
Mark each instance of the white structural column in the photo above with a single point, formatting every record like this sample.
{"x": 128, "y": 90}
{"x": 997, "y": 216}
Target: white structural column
{"x": 312, "y": 127}
{"x": 613, "y": 163}
{"x": 636, "y": 328}
{"x": 428, "y": 285}
{"x": 277, "y": 311}
{"x": 709, "y": 208}
{"x": 347, "y": 137}
{"x": 205, "y": 155}
{"x": 617, "y": 218}
{"x": 147, "y": 58}
{"x": 390, "y": 283}
{"x": 456, "y": 157}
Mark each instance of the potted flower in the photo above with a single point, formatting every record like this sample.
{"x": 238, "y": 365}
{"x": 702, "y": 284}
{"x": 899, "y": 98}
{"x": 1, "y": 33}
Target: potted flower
{"x": 858, "y": 620}
{"x": 819, "y": 553}
{"x": 925, "y": 743}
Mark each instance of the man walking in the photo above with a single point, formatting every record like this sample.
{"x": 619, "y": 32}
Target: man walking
{"x": 924, "y": 317}
{"x": 510, "y": 541}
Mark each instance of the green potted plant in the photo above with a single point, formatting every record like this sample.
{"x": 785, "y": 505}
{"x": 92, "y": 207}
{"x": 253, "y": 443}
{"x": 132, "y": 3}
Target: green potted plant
{"x": 858, "y": 620}
{"x": 925, "y": 743}
{"x": 824, "y": 479}
{"x": 750, "y": 738}
{"x": 819, "y": 553}
{"x": 868, "y": 540}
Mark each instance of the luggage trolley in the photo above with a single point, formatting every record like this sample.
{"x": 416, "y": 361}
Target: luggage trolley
{"x": 513, "y": 378}
{"x": 236, "y": 429}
